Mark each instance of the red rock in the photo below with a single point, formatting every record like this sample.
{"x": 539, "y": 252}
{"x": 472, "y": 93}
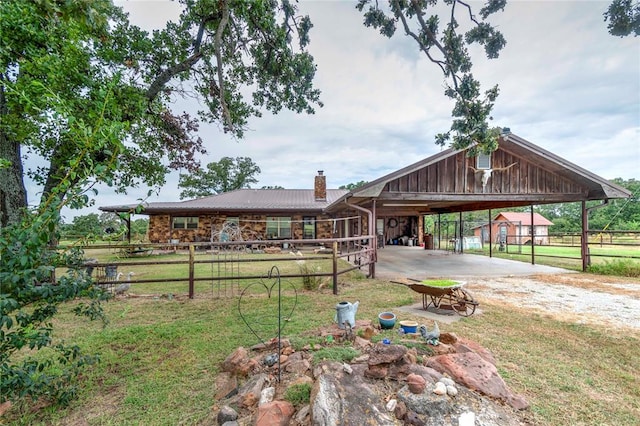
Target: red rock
{"x": 476, "y": 373}
{"x": 275, "y": 413}
{"x": 226, "y": 384}
{"x": 235, "y": 360}
{"x": 376, "y": 371}
{"x": 448, "y": 338}
{"x": 416, "y": 383}
{"x": 466, "y": 345}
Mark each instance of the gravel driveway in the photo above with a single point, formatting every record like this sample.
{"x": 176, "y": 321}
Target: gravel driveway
{"x": 581, "y": 298}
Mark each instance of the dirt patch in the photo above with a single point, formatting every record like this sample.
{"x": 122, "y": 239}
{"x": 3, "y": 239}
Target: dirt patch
{"x": 579, "y": 298}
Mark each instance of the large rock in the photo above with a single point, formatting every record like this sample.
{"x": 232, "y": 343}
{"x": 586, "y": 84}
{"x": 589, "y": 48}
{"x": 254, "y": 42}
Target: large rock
{"x": 473, "y": 371}
{"x": 275, "y": 413}
{"x": 239, "y": 363}
{"x": 386, "y": 354}
{"x": 466, "y": 345}
{"x": 443, "y": 410}
{"x": 226, "y": 385}
{"x": 341, "y": 399}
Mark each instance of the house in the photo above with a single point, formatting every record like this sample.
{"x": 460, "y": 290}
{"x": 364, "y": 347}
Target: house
{"x": 264, "y": 214}
{"x": 515, "y": 228}
{"x": 393, "y": 207}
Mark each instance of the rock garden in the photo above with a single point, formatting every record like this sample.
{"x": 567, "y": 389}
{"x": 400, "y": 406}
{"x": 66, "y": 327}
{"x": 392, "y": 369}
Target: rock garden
{"x": 365, "y": 375}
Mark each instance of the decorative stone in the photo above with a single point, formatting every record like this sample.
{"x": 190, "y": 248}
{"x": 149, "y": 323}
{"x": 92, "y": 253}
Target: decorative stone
{"x": 412, "y": 419}
{"x": 275, "y": 413}
{"x": 267, "y": 395}
{"x": 298, "y": 367}
{"x": 401, "y": 410}
{"x": 392, "y": 404}
{"x": 235, "y": 360}
{"x": 447, "y": 381}
{"x": 452, "y": 391}
{"x": 448, "y": 338}
{"x": 302, "y": 414}
{"x": 474, "y": 372}
{"x": 440, "y": 389}
{"x": 467, "y": 419}
{"x": 226, "y": 385}
{"x": 416, "y": 383}
{"x": 386, "y": 354}
{"x": 227, "y": 414}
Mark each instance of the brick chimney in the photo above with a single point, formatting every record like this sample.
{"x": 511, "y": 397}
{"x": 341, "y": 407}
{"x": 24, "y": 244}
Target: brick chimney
{"x": 320, "y": 187}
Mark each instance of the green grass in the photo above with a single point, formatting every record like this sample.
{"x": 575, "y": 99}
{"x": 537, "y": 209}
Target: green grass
{"x": 160, "y": 355}
{"x": 569, "y": 257}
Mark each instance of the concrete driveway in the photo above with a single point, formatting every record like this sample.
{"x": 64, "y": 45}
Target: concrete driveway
{"x": 415, "y": 262}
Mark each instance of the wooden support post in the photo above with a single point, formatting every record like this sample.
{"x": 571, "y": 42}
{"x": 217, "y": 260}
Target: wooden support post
{"x": 490, "y": 236}
{"x": 533, "y": 238}
{"x": 584, "y": 241}
{"x": 335, "y": 267}
{"x": 192, "y": 253}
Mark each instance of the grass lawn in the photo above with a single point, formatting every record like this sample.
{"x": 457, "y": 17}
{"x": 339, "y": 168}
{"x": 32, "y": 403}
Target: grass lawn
{"x": 160, "y": 357}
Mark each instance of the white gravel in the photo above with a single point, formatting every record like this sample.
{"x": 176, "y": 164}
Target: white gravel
{"x": 575, "y": 303}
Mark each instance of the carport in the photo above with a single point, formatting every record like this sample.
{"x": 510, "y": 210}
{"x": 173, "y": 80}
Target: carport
{"x": 517, "y": 174}
{"x": 414, "y": 262}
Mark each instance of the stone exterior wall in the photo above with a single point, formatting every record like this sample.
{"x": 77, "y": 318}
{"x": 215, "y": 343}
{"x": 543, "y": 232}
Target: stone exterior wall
{"x": 160, "y": 227}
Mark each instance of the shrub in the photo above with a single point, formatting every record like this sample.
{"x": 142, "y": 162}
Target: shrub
{"x": 298, "y": 394}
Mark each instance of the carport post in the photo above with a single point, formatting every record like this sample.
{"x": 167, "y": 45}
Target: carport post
{"x": 461, "y": 231}
{"x": 533, "y": 238}
{"x": 490, "y": 236}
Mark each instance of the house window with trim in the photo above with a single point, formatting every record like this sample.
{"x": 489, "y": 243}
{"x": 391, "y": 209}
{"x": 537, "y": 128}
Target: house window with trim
{"x": 483, "y": 161}
{"x": 309, "y": 227}
{"x": 184, "y": 222}
{"x": 278, "y": 227}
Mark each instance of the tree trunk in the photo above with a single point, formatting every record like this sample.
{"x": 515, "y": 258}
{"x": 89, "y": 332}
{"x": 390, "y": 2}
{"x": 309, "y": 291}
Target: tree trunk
{"x": 13, "y": 194}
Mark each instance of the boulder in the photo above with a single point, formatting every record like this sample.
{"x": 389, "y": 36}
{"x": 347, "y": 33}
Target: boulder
{"x": 226, "y": 385}
{"x": 227, "y": 414}
{"x": 416, "y": 383}
{"x": 275, "y": 413}
{"x": 338, "y": 399}
{"x": 474, "y": 372}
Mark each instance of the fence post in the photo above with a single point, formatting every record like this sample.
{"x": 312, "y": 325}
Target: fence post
{"x": 335, "y": 267}
{"x": 192, "y": 252}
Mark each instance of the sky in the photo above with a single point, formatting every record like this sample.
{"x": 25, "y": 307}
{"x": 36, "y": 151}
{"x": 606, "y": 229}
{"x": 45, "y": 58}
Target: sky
{"x": 566, "y": 85}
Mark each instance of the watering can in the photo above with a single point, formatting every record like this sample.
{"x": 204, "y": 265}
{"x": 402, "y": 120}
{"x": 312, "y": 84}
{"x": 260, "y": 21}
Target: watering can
{"x": 346, "y": 312}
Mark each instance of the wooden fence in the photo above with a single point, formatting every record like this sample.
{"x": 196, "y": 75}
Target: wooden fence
{"x": 358, "y": 252}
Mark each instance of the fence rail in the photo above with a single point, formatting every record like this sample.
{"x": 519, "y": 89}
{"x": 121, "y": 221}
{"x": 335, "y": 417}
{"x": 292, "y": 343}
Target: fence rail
{"x": 601, "y": 244}
{"x": 226, "y": 256}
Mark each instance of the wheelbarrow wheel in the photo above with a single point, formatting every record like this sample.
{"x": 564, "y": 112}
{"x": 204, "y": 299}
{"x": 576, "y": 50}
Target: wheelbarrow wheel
{"x": 463, "y": 302}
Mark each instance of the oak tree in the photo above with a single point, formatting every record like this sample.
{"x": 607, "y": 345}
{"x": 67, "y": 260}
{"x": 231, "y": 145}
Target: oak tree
{"x": 226, "y": 175}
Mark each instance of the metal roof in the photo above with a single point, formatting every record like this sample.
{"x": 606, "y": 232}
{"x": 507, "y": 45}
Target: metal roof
{"x": 409, "y": 203}
{"x": 525, "y": 218}
{"x": 241, "y": 200}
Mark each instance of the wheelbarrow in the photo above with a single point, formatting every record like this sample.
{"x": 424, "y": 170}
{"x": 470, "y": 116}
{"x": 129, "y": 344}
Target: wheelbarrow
{"x": 443, "y": 297}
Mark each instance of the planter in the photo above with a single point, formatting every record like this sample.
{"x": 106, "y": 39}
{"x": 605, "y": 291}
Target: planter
{"x": 409, "y": 326}
{"x": 387, "y": 320}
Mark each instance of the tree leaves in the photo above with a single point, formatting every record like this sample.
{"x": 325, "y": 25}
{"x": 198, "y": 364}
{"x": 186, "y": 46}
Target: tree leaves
{"x": 226, "y": 175}
{"x": 446, "y": 47}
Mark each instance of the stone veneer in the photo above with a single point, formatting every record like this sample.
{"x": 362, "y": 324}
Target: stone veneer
{"x": 160, "y": 227}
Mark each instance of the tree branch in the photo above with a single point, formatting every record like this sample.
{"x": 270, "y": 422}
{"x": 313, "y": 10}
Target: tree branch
{"x": 226, "y": 116}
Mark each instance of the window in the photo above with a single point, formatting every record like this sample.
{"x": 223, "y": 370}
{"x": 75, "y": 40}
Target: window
{"x": 483, "y": 161}
{"x": 185, "y": 223}
{"x": 278, "y": 227}
{"x": 309, "y": 227}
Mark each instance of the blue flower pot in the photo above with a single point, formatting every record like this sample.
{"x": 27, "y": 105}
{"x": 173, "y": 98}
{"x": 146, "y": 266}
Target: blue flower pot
{"x": 387, "y": 320}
